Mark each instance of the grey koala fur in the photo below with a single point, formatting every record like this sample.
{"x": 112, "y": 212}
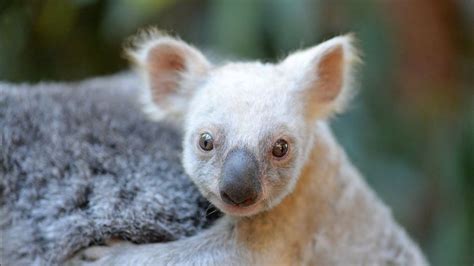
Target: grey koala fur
{"x": 80, "y": 163}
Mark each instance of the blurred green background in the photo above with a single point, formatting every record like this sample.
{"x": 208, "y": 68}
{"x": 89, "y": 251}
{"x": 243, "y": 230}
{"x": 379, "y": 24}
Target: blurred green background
{"x": 410, "y": 130}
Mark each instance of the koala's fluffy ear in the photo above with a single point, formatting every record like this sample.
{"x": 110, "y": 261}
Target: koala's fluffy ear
{"x": 171, "y": 70}
{"x": 324, "y": 75}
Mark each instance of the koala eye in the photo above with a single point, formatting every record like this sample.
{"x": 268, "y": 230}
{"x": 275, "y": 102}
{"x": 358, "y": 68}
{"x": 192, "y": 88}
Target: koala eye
{"x": 206, "y": 142}
{"x": 280, "y": 148}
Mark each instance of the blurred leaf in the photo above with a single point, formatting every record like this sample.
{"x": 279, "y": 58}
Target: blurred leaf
{"x": 13, "y": 38}
{"x": 235, "y": 27}
{"x": 55, "y": 20}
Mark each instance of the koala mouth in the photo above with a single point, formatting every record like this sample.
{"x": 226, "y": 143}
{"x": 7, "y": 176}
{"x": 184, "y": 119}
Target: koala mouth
{"x": 248, "y": 207}
{"x": 239, "y": 199}
{"x": 239, "y": 210}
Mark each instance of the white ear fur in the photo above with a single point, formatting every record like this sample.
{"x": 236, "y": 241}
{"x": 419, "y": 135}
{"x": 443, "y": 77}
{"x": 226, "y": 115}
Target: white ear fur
{"x": 324, "y": 75}
{"x": 171, "y": 69}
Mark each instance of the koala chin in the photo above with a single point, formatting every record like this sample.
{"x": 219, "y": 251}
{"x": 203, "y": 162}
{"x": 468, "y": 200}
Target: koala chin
{"x": 257, "y": 144}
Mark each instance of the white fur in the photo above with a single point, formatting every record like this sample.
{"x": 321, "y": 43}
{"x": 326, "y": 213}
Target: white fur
{"x": 303, "y": 62}
{"x": 139, "y": 52}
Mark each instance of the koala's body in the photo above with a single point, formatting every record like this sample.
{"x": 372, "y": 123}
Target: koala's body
{"x": 257, "y": 144}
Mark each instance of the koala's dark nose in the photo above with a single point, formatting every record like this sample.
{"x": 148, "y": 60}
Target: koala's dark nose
{"x": 239, "y": 184}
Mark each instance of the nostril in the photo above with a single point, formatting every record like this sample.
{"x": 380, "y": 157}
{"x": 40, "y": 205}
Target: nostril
{"x": 227, "y": 199}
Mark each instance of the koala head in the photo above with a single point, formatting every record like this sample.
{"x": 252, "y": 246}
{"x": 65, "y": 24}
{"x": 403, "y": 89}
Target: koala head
{"x": 248, "y": 126}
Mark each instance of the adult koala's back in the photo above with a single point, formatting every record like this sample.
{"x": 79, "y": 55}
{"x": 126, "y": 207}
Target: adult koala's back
{"x": 79, "y": 163}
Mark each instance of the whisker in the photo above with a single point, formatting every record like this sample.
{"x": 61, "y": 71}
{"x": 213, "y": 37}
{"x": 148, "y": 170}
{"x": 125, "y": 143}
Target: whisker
{"x": 212, "y": 212}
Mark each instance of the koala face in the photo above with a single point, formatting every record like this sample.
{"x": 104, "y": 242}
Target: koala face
{"x": 245, "y": 137}
{"x": 248, "y": 127}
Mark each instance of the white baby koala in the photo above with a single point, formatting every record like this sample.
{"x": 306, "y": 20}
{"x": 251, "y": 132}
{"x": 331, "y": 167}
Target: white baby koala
{"x": 258, "y": 146}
